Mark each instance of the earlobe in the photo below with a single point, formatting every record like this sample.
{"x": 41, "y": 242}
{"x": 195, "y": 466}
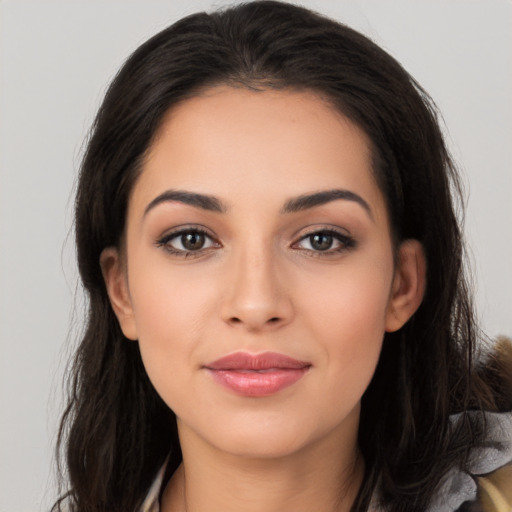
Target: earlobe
{"x": 409, "y": 285}
{"x": 117, "y": 288}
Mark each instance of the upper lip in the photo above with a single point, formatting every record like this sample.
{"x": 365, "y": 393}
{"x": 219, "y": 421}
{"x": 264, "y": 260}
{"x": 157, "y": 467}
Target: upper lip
{"x": 262, "y": 361}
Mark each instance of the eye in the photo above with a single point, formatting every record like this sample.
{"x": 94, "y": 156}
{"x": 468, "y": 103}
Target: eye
{"x": 327, "y": 241}
{"x": 187, "y": 241}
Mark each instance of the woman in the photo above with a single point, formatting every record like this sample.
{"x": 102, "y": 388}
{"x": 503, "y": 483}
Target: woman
{"x": 278, "y": 315}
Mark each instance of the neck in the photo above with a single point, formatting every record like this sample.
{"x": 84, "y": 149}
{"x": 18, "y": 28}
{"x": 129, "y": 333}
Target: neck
{"x": 324, "y": 476}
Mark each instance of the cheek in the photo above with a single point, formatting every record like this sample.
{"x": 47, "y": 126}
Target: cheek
{"x": 171, "y": 311}
{"x": 169, "y": 299}
{"x": 348, "y": 316}
{"x": 352, "y": 298}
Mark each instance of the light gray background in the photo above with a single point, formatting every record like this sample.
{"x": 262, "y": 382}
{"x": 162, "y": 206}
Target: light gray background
{"x": 56, "y": 58}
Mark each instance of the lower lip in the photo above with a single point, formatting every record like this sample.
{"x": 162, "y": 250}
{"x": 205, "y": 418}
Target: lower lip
{"x": 254, "y": 383}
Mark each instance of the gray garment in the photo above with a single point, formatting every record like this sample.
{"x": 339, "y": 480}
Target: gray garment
{"x": 459, "y": 487}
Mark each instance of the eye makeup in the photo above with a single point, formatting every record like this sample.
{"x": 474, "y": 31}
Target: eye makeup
{"x": 187, "y": 241}
{"x": 325, "y": 242}
{"x": 194, "y": 241}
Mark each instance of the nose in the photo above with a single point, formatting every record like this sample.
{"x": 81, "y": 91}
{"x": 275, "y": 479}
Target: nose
{"x": 256, "y": 297}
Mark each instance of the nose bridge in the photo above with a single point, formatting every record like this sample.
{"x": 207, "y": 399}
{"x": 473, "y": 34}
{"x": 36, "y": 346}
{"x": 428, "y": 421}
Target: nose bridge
{"x": 256, "y": 297}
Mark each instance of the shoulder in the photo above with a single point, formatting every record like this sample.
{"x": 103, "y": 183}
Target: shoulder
{"x": 495, "y": 490}
{"x": 487, "y": 484}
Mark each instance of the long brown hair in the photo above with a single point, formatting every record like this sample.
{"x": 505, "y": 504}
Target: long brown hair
{"x": 116, "y": 430}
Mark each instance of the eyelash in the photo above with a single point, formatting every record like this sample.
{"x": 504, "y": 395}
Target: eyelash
{"x": 164, "y": 242}
{"x": 346, "y": 242}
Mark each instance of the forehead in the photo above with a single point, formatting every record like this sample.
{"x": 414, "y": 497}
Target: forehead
{"x": 271, "y": 143}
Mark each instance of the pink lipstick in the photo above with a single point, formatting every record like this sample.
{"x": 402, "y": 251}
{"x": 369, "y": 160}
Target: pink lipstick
{"x": 257, "y": 375}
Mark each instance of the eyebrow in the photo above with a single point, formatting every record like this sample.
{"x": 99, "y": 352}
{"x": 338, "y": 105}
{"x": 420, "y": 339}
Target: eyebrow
{"x": 307, "y": 201}
{"x": 296, "y": 204}
{"x": 203, "y": 201}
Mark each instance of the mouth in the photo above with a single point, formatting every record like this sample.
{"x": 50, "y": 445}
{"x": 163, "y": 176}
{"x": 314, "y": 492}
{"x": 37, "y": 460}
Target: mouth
{"x": 257, "y": 375}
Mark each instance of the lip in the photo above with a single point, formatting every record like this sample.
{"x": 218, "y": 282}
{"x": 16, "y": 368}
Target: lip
{"x": 257, "y": 375}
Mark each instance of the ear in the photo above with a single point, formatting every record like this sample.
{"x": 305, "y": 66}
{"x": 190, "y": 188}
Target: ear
{"x": 409, "y": 284}
{"x": 116, "y": 283}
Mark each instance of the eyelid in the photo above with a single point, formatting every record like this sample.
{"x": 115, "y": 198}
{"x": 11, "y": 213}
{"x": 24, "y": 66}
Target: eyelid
{"x": 163, "y": 240}
{"x": 321, "y": 228}
{"x": 342, "y": 235}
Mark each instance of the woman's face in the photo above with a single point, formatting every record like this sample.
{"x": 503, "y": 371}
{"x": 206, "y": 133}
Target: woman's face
{"x": 258, "y": 274}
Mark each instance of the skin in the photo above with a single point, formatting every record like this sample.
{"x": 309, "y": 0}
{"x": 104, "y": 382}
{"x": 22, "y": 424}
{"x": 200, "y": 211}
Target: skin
{"x": 260, "y": 284}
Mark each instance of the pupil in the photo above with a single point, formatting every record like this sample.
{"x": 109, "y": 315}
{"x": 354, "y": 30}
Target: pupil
{"x": 321, "y": 242}
{"x": 192, "y": 241}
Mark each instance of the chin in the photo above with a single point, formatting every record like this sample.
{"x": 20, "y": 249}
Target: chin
{"x": 272, "y": 437}
{"x": 258, "y": 446}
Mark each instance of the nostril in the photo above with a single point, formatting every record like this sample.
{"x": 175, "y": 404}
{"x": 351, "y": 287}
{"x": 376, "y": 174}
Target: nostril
{"x": 236, "y": 320}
